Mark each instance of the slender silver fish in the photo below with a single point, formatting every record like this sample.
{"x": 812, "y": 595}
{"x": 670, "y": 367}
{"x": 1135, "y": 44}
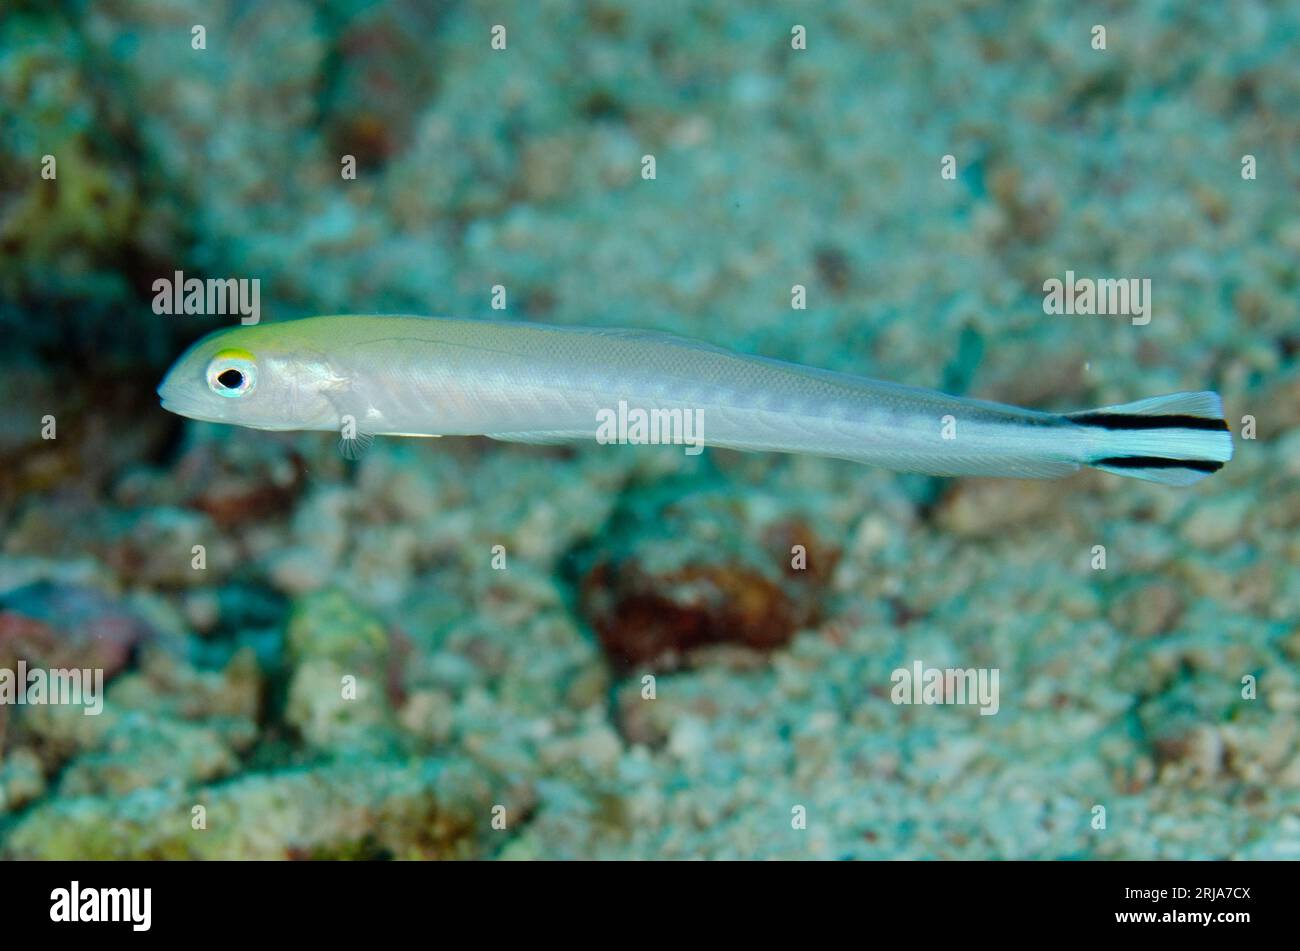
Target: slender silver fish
{"x": 417, "y": 376}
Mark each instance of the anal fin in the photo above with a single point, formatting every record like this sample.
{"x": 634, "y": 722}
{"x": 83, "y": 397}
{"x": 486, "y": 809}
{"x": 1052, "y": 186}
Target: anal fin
{"x": 541, "y": 438}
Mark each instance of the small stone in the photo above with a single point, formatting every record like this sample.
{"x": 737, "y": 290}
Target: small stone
{"x": 689, "y": 738}
{"x": 986, "y": 508}
{"x": 1147, "y": 609}
{"x": 202, "y": 609}
{"x": 331, "y": 711}
{"x": 330, "y": 624}
{"x": 1218, "y": 520}
{"x": 338, "y": 693}
{"x": 21, "y": 780}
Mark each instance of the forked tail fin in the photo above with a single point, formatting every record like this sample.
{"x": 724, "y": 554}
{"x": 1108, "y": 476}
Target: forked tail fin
{"x": 1175, "y": 440}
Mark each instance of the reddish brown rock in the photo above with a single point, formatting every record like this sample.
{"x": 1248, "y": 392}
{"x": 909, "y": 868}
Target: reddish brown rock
{"x": 53, "y": 625}
{"x": 239, "y": 482}
{"x": 699, "y": 572}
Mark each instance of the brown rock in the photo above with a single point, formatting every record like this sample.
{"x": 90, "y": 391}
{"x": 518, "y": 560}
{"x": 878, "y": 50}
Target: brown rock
{"x": 53, "y": 625}
{"x": 684, "y": 574}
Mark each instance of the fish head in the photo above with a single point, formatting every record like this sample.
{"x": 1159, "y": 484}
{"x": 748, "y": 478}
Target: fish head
{"x": 256, "y": 376}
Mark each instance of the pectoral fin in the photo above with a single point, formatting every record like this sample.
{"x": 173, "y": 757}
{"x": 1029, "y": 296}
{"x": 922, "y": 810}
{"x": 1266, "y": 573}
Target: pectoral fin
{"x": 353, "y": 447}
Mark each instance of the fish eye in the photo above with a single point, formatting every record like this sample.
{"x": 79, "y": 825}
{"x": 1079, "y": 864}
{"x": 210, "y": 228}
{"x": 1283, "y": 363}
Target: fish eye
{"x": 232, "y": 373}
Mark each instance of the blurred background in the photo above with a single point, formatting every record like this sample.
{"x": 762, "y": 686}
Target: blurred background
{"x": 525, "y": 687}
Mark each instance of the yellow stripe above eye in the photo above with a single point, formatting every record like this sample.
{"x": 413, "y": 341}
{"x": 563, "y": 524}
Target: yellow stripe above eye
{"x": 234, "y": 353}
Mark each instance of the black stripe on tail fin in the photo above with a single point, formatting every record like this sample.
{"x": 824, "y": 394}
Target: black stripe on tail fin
{"x": 1134, "y": 421}
{"x": 1156, "y": 462}
{"x": 1175, "y": 440}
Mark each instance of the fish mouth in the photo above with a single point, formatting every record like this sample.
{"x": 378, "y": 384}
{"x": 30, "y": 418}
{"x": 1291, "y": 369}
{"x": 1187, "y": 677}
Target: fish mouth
{"x": 181, "y": 407}
{"x": 173, "y": 407}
